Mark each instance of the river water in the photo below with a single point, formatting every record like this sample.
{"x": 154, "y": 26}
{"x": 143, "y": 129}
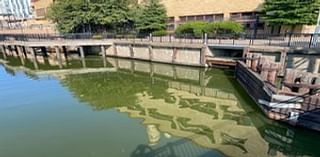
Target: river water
{"x": 140, "y": 110}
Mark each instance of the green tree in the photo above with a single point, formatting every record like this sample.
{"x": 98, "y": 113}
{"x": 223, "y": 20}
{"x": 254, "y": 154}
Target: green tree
{"x": 96, "y": 15}
{"x": 65, "y": 13}
{"x": 290, "y": 12}
{"x": 151, "y": 17}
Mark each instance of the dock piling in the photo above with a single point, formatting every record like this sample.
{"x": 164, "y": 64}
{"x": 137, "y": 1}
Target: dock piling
{"x": 3, "y": 52}
{"x": 103, "y": 52}
{"x": 82, "y": 57}
{"x": 58, "y": 54}
{"x": 34, "y": 58}
{"x": 20, "y": 53}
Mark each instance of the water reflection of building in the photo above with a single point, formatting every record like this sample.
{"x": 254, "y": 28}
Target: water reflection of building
{"x": 191, "y": 103}
{"x": 210, "y": 122}
{"x": 211, "y": 117}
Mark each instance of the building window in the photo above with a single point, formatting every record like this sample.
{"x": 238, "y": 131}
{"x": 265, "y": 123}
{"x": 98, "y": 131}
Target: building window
{"x": 170, "y": 27}
{"x": 218, "y": 17}
{"x": 190, "y": 18}
{"x": 41, "y": 12}
{"x": 208, "y": 18}
{"x": 199, "y": 18}
{"x": 170, "y": 20}
{"x": 243, "y": 16}
{"x": 183, "y": 18}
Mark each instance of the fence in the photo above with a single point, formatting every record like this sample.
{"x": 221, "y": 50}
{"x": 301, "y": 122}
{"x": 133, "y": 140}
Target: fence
{"x": 283, "y": 40}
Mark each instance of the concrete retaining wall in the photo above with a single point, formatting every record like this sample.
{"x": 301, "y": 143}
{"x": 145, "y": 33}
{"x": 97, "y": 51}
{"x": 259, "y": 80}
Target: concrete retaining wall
{"x": 123, "y": 50}
{"x": 184, "y": 55}
{"x": 162, "y": 54}
{"x": 141, "y": 52}
{"x": 190, "y": 55}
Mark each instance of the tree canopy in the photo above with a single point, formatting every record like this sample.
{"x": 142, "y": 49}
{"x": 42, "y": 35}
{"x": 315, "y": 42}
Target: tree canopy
{"x": 97, "y": 15}
{"x": 290, "y": 12}
{"x": 107, "y": 15}
{"x": 151, "y": 17}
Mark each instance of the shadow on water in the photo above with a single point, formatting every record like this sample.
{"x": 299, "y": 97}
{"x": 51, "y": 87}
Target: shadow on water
{"x": 205, "y": 106}
{"x": 177, "y": 148}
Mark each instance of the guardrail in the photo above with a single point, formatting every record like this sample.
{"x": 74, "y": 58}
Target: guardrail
{"x": 283, "y": 40}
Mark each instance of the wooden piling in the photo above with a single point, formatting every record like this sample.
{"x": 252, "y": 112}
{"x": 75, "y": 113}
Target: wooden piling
{"x": 3, "y": 52}
{"x": 58, "y": 54}
{"x": 304, "y": 79}
{"x": 103, "y": 53}
{"x": 34, "y": 58}
{"x": 290, "y": 75}
{"x": 21, "y": 56}
{"x": 82, "y": 57}
{"x": 7, "y": 50}
{"x": 272, "y": 73}
{"x": 255, "y": 61}
{"x": 264, "y": 70}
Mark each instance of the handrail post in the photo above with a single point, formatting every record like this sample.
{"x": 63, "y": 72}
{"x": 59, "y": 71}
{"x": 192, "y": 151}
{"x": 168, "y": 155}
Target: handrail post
{"x": 290, "y": 38}
{"x": 150, "y": 37}
{"x": 233, "y": 40}
{"x": 205, "y": 39}
{"x": 311, "y": 39}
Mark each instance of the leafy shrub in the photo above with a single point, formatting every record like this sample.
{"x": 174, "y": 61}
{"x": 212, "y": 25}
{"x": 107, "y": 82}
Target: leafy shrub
{"x": 160, "y": 33}
{"x": 224, "y": 27}
{"x": 193, "y": 28}
{"x": 198, "y": 28}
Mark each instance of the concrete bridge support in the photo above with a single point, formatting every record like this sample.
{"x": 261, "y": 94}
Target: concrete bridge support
{"x": 82, "y": 55}
{"x": 59, "y": 58}
{"x": 21, "y": 55}
{"x": 3, "y": 50}
{"x": 103, "y": 52}
{"x": 14, "y": 50}
{"x": 7, "y": 51}
{"x": 34, "y": 58}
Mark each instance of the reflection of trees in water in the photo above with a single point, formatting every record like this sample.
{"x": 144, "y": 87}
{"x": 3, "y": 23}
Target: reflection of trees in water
{"x": 109, "y": 90}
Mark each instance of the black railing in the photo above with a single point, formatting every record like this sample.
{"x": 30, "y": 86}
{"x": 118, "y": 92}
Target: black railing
{"x": 283, "y": 40}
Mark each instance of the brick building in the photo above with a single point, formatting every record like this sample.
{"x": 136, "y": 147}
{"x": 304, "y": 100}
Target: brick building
{"x": 182, "y": 11}
{"x": 242, "y": 11}
{"x": 39, "y": 14}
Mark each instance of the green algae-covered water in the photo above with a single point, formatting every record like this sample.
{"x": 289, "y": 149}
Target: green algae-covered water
{"x": 140, "y": 110}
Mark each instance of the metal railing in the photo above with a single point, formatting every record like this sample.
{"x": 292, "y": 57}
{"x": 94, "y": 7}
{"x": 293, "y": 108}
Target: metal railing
{"x": 283, "y": 40}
